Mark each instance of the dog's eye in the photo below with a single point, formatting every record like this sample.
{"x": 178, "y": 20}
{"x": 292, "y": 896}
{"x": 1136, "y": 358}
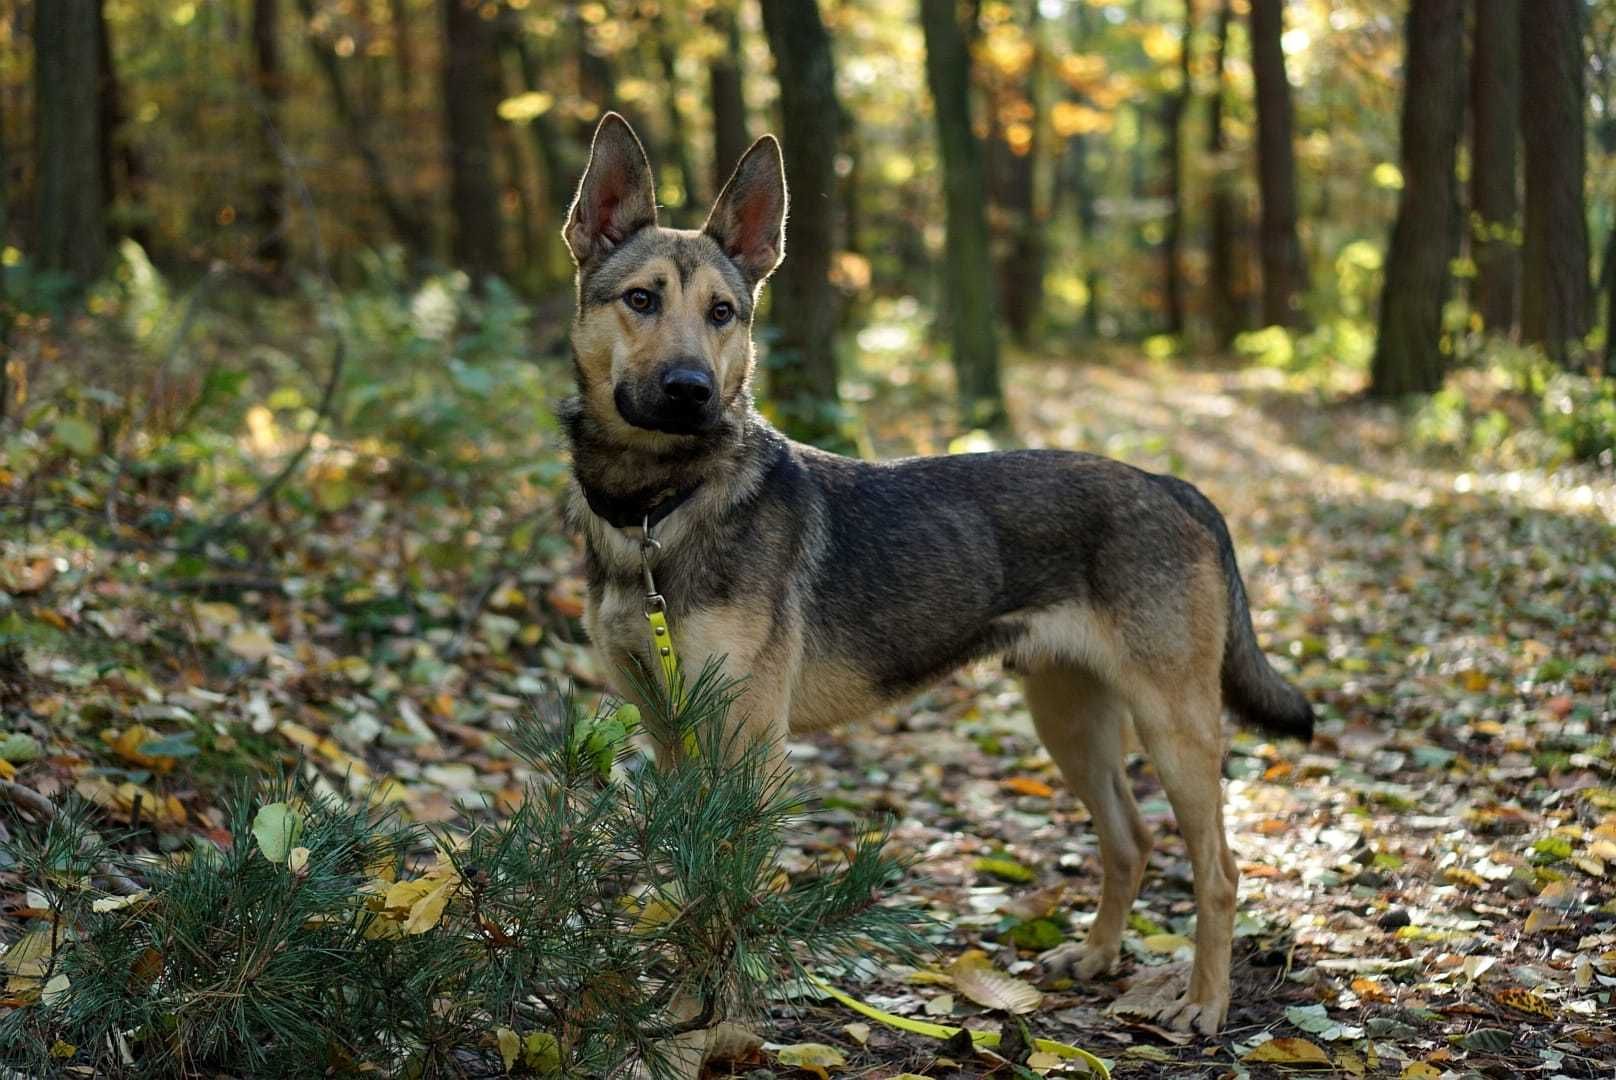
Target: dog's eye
{"x": 721, "y": 313}
{"x": 641, "y": 300}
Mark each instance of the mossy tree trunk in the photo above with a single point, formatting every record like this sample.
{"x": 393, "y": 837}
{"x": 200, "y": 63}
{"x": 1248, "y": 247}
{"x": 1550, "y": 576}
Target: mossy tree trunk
{"x": 968, "y": 264}
{"x": 805, "y": 307}
{"x": 71, "y": 215}
{"x": 1495, "y": 92}
{"x": 1409, "y": 356}
{"x": 1284, "y": 271}
{"x": 1556, "y": 298}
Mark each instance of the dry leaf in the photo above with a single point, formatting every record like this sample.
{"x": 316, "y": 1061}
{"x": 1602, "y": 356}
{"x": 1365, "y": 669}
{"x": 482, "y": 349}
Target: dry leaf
{"x": 817, "y": 1058}
{"x": 1288, "y": 1051}
{"x": 975, "y": 977}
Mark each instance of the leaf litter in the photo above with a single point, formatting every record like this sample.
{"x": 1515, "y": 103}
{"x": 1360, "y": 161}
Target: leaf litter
{"x": 1426, "y": 889}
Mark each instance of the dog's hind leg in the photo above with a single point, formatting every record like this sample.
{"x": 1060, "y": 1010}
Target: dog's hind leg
{"x": 1180, "y": 724}
{"x": 1083, "y": 722}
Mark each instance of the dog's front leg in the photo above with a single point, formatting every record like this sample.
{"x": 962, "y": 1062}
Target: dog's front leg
{"x": 756, "y": 653}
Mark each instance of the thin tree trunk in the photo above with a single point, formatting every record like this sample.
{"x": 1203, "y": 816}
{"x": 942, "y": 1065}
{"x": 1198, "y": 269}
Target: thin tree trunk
{"x": 1495, "y": 90}
{"x": 678, "y": 142}
{"x": 1608, "y": 276}
{"x": 1013, "y": 178}
{"x": 1229, "y": 313}
{"x": 470, "y": 98}
{"x": 1088, "y": 216}
{"x": 403, "y": 49}
{"x": 1555, "y": 295}
{"x": 560, "y": 173}
{"x": 269, "y": 212}
{"x": 805, "y": 306}
{"x": 71, "y": 214}
{"x": 1284, "y": 271}
{"x": 411, "y": 231}
{"x": 730, "y": 137}
{"x": 1408, "y": 352}
{"x": 1173, "y": 123}
{"x": 968, "y": 263}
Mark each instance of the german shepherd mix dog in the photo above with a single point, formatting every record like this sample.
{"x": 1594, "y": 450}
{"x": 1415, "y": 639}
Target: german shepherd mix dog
{"x": 835, "y": 587}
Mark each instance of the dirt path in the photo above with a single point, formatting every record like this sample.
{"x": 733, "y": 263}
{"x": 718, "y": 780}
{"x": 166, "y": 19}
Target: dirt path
{"x": 1426, "y": 889}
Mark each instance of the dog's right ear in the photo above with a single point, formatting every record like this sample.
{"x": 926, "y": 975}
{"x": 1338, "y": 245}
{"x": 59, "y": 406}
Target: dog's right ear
{"x": 749, "y": 218}
{"x": 616, "y": 197}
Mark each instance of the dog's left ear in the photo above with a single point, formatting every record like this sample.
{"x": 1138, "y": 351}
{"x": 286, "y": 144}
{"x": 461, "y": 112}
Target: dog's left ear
{"x": 749, "y": 218}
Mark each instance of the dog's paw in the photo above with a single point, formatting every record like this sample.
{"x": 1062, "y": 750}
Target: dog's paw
{"x": 1081, "y": 959}
{"x": 1162, "y": 997}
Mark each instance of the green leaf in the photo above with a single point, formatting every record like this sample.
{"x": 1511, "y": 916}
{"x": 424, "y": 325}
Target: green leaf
{"x": 277, "y": 828}
{"x": 79, "y": 436}
{"x": 1037, "y": 934}
{"x": 1005, "y": 869}
{"x": 18, "y": 747}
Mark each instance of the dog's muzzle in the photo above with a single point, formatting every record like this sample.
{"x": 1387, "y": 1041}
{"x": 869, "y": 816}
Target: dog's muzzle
{"x": 681, "y": 399}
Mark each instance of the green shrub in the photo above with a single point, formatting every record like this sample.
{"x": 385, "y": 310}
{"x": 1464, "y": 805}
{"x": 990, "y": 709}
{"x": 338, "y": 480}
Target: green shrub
{"x": 576, "y": 937}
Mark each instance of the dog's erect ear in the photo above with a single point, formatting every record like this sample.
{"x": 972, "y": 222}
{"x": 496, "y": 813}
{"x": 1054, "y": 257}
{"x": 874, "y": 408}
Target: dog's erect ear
{"x": 616, "y": 197}
{"x": 749, "y": 218}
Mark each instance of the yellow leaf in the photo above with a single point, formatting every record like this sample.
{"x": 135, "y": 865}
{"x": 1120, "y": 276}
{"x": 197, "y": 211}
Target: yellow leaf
{"x": 297, "y": 860}
{"x": 1524, "y": 1000}
{"x": 25, "y": 962}
{"x": 1166, "y": 943}
{"x": 250, "y": 644}
{"x": 1541, "y": 920}
{"x": 858, "y": 1031}
{"x": 425, "y": 912}
{"x": 815, "y": 1057}
{"x": 510, "y": 1044}
{"x": 117, "y": 903}
{"x": 1289, "y": 1051}
{"x": 1420, "y": 1070}
{"x": 975, "y": 977}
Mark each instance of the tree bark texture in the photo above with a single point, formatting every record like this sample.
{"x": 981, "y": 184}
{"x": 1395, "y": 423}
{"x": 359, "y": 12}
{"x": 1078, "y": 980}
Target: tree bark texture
{"x": 1556, "y": 299}
{"x": 967, "y": 268}
{"x": 1408, "y": 351}
{"x": 804, "y": 310}
{"x": 1284, "y": 271}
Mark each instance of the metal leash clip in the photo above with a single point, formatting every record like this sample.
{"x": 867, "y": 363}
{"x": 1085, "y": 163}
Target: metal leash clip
{"x": 649, "y": 546}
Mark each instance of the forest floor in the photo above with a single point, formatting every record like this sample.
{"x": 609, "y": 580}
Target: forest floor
{"x": 1428, "y": 889}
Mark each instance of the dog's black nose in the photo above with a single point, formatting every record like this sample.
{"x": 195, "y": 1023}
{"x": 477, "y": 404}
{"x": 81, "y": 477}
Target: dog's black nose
{"x": 687, "y": 386}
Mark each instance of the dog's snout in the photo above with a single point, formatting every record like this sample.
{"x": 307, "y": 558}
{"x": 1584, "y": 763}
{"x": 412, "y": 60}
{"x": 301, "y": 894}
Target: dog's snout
{"x": 687, "y": 386}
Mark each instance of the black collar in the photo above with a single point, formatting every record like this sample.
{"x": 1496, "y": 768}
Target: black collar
{"x": 639, "y": 509}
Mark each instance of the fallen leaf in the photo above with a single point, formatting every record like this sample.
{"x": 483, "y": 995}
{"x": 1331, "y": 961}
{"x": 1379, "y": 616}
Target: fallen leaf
{"x": 817, "y": 1058}
{"x": 1288, "y": 1051}
{"x": 975, "y": 977}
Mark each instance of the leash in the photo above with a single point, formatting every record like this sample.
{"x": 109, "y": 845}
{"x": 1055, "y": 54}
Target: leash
{"x": 656, "y": 616}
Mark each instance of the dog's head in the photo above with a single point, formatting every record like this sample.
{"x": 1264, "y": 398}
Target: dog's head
{"x": 663, "y": 333}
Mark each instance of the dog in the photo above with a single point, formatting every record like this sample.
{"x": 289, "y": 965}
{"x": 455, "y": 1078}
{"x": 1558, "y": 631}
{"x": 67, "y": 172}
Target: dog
{"x": 835, "y": 587}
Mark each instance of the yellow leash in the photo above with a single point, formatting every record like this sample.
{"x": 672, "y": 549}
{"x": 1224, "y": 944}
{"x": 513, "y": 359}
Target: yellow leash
{"x": 656, "y": 614}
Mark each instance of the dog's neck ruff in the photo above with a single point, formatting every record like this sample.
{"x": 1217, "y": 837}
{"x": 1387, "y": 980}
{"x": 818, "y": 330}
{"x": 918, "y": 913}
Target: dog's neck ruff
{"x": 639, "y": 510}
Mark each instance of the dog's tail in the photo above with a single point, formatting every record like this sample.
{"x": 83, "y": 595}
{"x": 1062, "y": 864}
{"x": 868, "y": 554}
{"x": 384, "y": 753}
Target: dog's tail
{"x": 1255, "y": 692}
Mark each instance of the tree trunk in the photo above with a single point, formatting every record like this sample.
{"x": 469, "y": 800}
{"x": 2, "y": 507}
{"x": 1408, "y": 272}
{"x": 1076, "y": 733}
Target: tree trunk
{"x": 1284, "y": 271}
{"x": 1083, "y": 188}
{"x": 1408, "y": 353}
{"x": 1228, "y": 297}
{"x": 117, "y": 150}
{"x": 967, "y": 266}
{"x": 72, "y": 214}
{"x": 561, "y": 172}
{"x": 470, "y": 98}
{"x": 1609, "y": 278}
{"x": 678, "y": 142}
{"x": 804, "y": 309}
{"x": 403, "y": 49}
{"x": 1012, "y": 177}
{"x": 730, "y": 137}
{"x": 270, "y": 209}
{"x": 1495, "y": 89}
{"x": 1173, "y": 123}
{"x": 411, "y": 231}
{"x": 1555, "y": 294}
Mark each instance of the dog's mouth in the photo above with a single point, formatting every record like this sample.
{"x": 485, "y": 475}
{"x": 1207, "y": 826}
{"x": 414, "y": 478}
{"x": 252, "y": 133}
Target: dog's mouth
{"x": 664, "y": 417}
